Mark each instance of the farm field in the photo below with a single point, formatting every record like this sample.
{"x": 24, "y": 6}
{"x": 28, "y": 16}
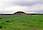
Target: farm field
{"x": 34, "y": 22}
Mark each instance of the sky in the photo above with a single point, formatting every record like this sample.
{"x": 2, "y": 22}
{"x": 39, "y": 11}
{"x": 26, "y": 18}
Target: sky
{"x": 23, "y": 5}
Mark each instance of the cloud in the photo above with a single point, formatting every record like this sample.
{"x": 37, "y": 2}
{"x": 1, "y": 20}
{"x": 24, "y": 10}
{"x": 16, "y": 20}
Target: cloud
{"x": 26, "y": 5}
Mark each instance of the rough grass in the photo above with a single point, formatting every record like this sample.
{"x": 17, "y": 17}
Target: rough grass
{"x": 34, "y": 22}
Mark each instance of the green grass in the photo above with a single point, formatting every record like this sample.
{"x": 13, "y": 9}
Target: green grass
{"x": 34, "y": 22}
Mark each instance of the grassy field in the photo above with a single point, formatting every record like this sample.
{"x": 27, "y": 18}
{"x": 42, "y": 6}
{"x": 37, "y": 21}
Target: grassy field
{"x": 34, "y": 22}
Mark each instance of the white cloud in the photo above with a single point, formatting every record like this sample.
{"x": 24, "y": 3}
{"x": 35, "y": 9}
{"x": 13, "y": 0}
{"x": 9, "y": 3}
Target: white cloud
{"x": 9, "y": 5}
